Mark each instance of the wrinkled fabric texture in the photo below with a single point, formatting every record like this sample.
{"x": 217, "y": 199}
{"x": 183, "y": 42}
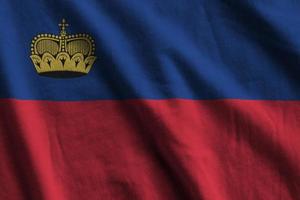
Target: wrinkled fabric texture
{"x": 187, "y": 100}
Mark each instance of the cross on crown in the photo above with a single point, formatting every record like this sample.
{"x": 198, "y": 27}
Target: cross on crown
{"x": 63, "y": 25}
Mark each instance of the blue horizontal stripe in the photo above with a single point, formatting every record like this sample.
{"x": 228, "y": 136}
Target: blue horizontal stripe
{"x": 154, "y": 49}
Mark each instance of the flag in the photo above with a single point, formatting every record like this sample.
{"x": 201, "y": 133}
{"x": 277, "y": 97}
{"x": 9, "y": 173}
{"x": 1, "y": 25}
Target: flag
{"x": 149, "y": 100}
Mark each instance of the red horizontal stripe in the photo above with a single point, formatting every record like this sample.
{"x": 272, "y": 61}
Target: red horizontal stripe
{"x": 150, "y": 150}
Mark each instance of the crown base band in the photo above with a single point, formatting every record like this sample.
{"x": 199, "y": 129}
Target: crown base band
{"x": 62, "y": 74}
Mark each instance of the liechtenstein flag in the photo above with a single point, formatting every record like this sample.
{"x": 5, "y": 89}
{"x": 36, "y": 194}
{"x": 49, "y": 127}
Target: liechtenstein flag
{"x": 149, "y": 100}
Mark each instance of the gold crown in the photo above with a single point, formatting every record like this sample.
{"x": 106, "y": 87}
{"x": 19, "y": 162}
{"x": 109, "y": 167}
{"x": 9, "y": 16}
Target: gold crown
{"x": 63, "y": 55}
